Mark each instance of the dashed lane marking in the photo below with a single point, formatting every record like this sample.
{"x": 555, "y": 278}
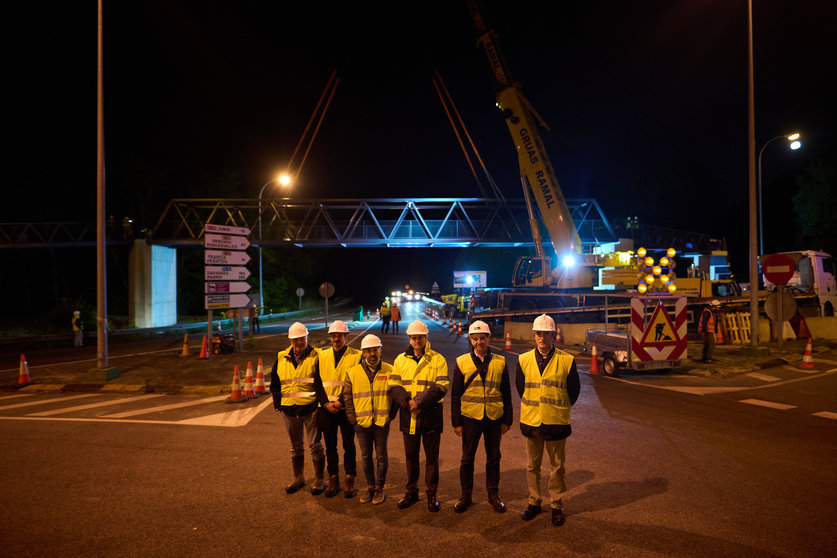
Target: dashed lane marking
{"x": 769, "y": 404}
{"x": 763, "y": 377}
{"x": 94, "y": 405}
{"x": 711, "y": 390}
{"x": 15, "y": 396}
{"x": 150, "y": 410}
{"x": 826, "y": 414}
{"x": 46, "y": 401}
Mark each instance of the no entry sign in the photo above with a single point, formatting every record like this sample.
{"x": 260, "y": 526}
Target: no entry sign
{"x": 778, "y": 268}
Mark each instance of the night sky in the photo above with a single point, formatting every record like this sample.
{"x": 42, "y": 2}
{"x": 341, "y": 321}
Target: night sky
{"x": 646, "y": 102}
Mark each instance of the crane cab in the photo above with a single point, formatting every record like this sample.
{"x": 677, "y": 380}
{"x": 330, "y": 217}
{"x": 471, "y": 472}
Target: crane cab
{"x": 532, "y": 271}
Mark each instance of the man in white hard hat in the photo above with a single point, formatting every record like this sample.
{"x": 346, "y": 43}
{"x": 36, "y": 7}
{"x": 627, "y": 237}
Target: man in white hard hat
{"x": 369, "y": 408}
{"x": 418, "y": 382}
{"x": 548, "y": 384}
{"x": 480, "y": 402}
{"x": 334, "y": 362}
{"x": 707, "y": 326}
{"x": 296, "y": 388}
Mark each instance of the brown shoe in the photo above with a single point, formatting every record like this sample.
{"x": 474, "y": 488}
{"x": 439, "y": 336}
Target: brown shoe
{"x": 333, "y": 486}
{"x": 350, "y": 486}
{"x": 379, "y": 497}
{"x": 367, "y": 495}
{"x": 558, "y": 517}
{"x": 531, "y": 512}
{"x": 408, "y": 500}
{"x": 463, "y": 503}
{"x": 496, "y": 503}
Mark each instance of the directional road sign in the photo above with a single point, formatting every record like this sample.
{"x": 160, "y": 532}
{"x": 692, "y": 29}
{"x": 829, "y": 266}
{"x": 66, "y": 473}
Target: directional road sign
{"x": 225, "y": 257}
{"x": 214, "y": 301}
{"x": 226, "y": 273}
{"x": 225, "y": 241}
{"x": 223, "y": 229}
{"x": 213, "y": 287}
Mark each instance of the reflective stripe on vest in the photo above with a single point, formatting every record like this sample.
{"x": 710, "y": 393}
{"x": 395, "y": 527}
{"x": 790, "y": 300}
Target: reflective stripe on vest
{"x": 545, "y": 398}
{"x": 297, "y": 383}
{"x": 431, "y": 370}
{"x": 482, "y": 398}
{"x": 334, "y": 378}
{"x": 371, "y": 400}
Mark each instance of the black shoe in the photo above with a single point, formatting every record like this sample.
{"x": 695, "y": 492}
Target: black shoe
{"x": 496, "y": 503}
{"x": 407, "y": 500}
{"x": 294, "y": 486}
{"x": 558, "y": 517}
{"x": 463, "y": 503}
{"x": 432, "y": 503}
{"x": 531, "y": 512}
{"x": 707, "y": 360}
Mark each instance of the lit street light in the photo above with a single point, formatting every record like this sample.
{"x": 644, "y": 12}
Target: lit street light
{"x": 284, "y": 180}
{"x": 793, "y": 144}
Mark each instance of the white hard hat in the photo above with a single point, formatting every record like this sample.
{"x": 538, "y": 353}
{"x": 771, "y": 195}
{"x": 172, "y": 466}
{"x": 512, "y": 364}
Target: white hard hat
{"x": 543, "y": 323}
{"x": 338, "y": 326}
{"x": 417, "y": 327}
{"x": 297, "y": 330}
{"x": 77, "y": 313}
{"x": 479, "y": 326}
{"x": 370, "y": 341}
{"x": 715, "y": 302}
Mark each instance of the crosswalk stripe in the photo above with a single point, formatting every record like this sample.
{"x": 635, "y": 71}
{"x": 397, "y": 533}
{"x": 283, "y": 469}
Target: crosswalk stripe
{"x": 165, "y": 407}
{"x": 826, "y": 414}
{"x": 46, "y": 401}
{"x": 94, "y": 405}
{"x": 763, "y": 377}
{"x": 769, "y": 404}
{"x": 239, "y": 417}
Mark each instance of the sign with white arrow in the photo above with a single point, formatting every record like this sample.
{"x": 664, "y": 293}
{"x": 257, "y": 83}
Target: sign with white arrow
{"x": 226, "y": 287}
{"x": 225, "y": 241}
{"x": 226, "y": 273}
{"x": 224, "y": 229}
{"x": 225, "y": 257}
{"x": 215, "y": 301}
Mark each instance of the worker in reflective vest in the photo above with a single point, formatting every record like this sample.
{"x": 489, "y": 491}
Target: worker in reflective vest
{"x": 707, "y": 328}
{"x": 334, "y": 363}
{"x": 548, "y": 385}
{"x": 418, "y": 382}
{"x": 480, "y": 406}
{"x": 369, "y": 408}
{"x": 296, "y": 386}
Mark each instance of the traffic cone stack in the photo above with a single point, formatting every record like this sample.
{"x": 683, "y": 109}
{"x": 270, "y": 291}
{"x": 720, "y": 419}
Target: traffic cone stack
{"x": 807, "y": 360}
{"x": 23, "y": 378}
{"x": 235, "y": 393}
{"x": 508, "y": 346}
{"x": 204, "y": 352}
{"x": 185, "y": 351}
{"x": 594, "y": 361}
{"x": 558, "y": 337}
{"x": 248, "y": 381}
{"x": 259, "y": 388}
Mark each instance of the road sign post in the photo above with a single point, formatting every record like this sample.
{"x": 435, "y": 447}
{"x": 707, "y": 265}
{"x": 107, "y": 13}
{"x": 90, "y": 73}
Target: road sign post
{"x": 778, "y": 269}
{"x": 224, "y": 272}
{"x": 326, "y": 291}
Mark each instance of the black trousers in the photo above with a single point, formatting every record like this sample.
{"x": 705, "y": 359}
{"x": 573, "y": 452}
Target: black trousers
{"x": 412, "y": 445}
{"x": 472, "y": 430}
{"x": 330, "y": 423}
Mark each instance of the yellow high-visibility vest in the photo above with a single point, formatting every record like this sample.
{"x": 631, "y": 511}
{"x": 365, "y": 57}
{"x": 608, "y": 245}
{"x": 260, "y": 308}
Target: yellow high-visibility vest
{"x": 334, "y": 378}
{"x": 545, "y": 398}
{"x": 482, "y": 398}
{"x": 371, "y": 400}
{"x": 297, "y": 384}
{"x": 415, "y": 377}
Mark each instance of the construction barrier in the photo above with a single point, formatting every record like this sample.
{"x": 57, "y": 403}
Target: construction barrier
{"x": 737, "y": 327}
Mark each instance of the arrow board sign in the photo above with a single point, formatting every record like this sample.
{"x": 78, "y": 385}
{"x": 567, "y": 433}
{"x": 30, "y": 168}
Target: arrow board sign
{"x": 227, "y": 287}
{"x": 215, "y": 301}
{"x": 225, "y": 241}
{"x": 226, "y": 273}
{"x": 223, "y": 229}
{"x": 225, "y": 257}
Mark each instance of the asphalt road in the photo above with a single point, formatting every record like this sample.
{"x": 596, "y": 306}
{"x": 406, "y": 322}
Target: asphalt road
{"x": 658, "y": 465}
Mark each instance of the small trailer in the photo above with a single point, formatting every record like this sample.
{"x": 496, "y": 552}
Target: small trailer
{"x": 657, "y": 341}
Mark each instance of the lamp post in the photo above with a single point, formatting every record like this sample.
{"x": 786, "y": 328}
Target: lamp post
{"x": 284, "y": 180}
{"x": 793, "y": 144}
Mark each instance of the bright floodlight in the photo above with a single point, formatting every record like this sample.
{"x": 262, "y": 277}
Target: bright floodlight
{"x": 795, "y": 145}
{"x": 794, "y": 136}
{"x": 284, "y": 180}
{"x": 469, "y": 279}
{"x": 568, "y": 261}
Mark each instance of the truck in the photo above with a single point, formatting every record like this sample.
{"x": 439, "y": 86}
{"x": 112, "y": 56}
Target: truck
{"x": 813, "y": 283}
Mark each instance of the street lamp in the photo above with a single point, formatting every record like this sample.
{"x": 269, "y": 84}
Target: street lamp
{"x": 284, "y": 180}
{"x": 794, "y": 144}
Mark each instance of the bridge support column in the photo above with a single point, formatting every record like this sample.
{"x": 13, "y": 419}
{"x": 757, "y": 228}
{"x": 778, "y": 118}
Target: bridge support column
{"x": 152, "y": 285}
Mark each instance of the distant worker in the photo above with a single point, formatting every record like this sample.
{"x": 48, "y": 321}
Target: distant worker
{"x": 395, "y": 317}
{"x": 369, "y": 408}
{"x": 708, "y": 328}
{"x": 418, "y": 382}
{"x": 78, "y": 330}
{"x": 480, "y": 396}
{"x": 385, "y": 316}
{"x": 253, "y": 316}
{"x": 334, "y": 363}
{"x": 296, "y": 386}
{"x": 548, "y": 384}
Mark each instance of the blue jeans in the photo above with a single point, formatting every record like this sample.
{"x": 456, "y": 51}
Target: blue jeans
{"x": 366, "y": 438}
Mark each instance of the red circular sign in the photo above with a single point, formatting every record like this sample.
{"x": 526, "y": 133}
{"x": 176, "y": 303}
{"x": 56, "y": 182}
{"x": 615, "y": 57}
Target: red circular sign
{"x": 778, "y": 269}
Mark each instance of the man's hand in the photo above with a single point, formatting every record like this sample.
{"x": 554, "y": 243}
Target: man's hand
{"x": 333, "y": 406}
{"x": 504, "y": 428}
{"x": 413, "y": 407}
{"x": 458, "y": 430}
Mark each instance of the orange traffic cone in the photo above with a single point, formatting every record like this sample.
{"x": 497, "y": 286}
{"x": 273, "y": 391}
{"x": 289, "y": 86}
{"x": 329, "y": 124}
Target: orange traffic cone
{"x": 259, "y": 388}
{"x": 248, "y": 381}
{"x": 235, "y": 393}
{"x": 451, "y": 325}
{"x": 204, "y": 352}
{"x": 459, "y": 327}
{"x": 558, "y": 337}
{"x": 508, "y": 346}
{"x": 444, "y": 319}
{"x": 594, "y": 362}
{"x": 185, "y": 351}
{"x": 23, "y": 377}
{"x": 807, "y": 360}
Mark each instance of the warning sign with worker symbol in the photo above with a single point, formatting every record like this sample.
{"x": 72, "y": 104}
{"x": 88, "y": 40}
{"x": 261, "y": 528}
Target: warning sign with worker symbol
{"x": 660, "y": 331}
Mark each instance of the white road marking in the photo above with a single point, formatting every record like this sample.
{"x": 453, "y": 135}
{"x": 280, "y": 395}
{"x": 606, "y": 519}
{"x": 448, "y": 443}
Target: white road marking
{"x": 149, "y": 410}
{"x": 239, "y": 417}
{"x": 763, "y": 377}
{"x": 709, "y": 390}
{"x": 803, "y": 370}
{"x": 826, "y": 414}
{"x": 94, "y": 405}
{"x": 46, "y": 401}
{"x": 15, "y": 396}
{"x": 769, "y": 404}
